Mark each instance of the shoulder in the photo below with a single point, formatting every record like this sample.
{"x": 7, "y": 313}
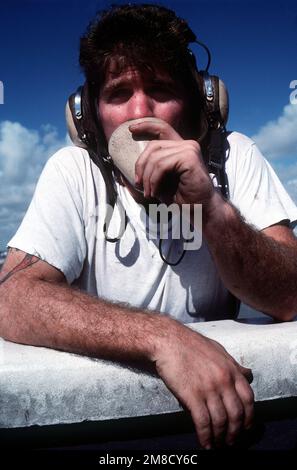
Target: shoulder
{"x": 73, "y": 164}
{"x": 243, "y": 152}
{"x": 70, "y": 157}
{"x": 238, "y": 141}
{"x": 244, "y": 162}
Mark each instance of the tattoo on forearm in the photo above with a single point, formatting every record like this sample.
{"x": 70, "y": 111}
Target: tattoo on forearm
{"x": 25, "y": 263}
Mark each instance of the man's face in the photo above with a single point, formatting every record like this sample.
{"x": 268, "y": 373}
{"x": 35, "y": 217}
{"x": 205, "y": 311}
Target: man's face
{"x": 133, "y": 94}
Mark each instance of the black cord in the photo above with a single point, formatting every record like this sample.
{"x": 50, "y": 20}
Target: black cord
{"x": 106, "y": 227}
{"x": 207, "y": 52}
{"x": 165, "y": 260}
{"x": 107, "y": 223}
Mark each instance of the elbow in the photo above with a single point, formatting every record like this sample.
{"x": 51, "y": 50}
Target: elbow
{"x": 284, "y": 313}
{"x": 288, "y": 316}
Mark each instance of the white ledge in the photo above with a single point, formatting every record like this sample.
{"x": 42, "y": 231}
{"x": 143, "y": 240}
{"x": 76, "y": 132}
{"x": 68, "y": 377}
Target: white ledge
{"x": 43, "y": 386}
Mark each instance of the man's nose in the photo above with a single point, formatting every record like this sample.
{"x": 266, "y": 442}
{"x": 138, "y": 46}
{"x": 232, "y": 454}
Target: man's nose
{"x": 141, "y": 105}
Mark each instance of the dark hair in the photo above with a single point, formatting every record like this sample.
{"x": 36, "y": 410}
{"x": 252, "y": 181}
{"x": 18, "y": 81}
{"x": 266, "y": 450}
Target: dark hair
{"x": 140, "y": 34}
{"x": 146, "y": 36}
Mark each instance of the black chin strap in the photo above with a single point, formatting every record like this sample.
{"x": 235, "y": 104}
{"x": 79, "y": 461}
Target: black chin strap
{"x": 218, "y": 150}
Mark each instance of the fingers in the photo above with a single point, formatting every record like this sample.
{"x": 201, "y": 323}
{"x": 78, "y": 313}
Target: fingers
{"x": 154, "y": 157}
{"x": 156, "y": 169}
{"x": 227, "y": 413}
{"x": 238, "y": 400}
{"x": 219, "y": 418}
{"x": 235, "y": 413}
{"x": 163, "y": 157}
{"x": 202, "y": 422}
{"x": 247, "y": 398}
{"x": 158, "y": 130}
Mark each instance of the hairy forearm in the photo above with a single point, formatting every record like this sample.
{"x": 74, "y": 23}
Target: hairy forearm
{"x": 54, "y": 315}
{"x": 254, "y": 267}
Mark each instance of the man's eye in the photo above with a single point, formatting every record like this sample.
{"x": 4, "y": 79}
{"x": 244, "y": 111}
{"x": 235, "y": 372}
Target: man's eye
{"x": 120, "y": 94}
{"x": 161, "y": 93}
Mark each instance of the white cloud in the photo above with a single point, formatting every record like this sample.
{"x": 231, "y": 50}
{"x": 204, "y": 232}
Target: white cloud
{"x": 23, "y": 153}
{"x": 278, "y": 139}
{"x": 288, "y": 176}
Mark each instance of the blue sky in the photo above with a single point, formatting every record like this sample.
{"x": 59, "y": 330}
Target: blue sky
{"x": 254, "y": 49}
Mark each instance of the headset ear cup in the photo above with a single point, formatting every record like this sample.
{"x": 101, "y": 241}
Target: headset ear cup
{"x": 71, "y": 122}
{"x": 216, "y": 100}
{"x": 223, "y": 102}
{"x": 74, "y": 126}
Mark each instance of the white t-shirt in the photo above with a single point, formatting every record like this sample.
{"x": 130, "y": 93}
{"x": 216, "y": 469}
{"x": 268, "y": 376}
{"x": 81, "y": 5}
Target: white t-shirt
{"x": 64, "y": 227}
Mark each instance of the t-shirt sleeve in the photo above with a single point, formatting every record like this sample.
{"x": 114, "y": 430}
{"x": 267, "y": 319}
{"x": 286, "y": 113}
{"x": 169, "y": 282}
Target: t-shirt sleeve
{"x": 53, "y": 227}
{"x": 257, "y": 191}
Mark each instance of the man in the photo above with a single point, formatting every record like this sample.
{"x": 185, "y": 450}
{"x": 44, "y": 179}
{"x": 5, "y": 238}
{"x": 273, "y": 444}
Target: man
{"x": 136, "y": 61}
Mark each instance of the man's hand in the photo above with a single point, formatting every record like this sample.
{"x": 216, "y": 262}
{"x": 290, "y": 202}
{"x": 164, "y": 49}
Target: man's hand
{"x": 209, "y": 383}
{"x": 171, "y": 156}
